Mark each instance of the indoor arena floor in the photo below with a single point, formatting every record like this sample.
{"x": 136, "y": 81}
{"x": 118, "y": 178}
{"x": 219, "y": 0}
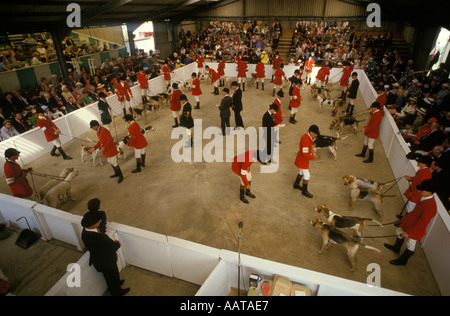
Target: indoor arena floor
{"x": 199, "y": 201}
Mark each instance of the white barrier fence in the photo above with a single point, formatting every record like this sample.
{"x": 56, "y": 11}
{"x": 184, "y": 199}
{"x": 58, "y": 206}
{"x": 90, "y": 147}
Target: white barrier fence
{"x": 196, "y": 263}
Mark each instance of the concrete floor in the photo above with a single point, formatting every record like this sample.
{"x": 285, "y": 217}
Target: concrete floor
{"x": 200, "y": 202}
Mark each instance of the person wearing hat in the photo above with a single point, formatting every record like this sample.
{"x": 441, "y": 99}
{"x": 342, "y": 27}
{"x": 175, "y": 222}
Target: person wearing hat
{"x": 295, "y": 102}
{"x": 102, "y": 252}
{"x": 124, "y": 95}
{"x": 371, "y": 131}
{"x": 186, "y": 119}
{"x": 423, "y": 173}
{"x": 104, "y": 108}
{"x": 237, "y": 104}
{"x": 269, "y": 127}
{"x": 136, "y": 140}
{"x": 8, "y": 130}
{"x": 352, "y": 93}
{"x": 305, "y": 154}
{"x": 175, "y": 105}
{"x": 51, "y": 132}
{"x": 214, "y": 79}
{"x": 143, "y": 84}
{"x": 224, "y": 108}
{"x": 440, "y": 177}
{"x": 196, "y": 90}
{"x": 278, "y": 79}
{"x": 414, "y": 225}
{"x": 15, "y": 176}
{"x": 260, "y": 74}
{"x": 108, "y": 148}
{"x": 278, "y": 115}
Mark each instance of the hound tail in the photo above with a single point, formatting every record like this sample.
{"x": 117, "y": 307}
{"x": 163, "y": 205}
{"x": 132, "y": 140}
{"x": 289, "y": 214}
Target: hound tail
{"x": 371, "y": 248}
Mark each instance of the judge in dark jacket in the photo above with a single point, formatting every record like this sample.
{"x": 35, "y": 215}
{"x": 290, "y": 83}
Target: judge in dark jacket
{"x": 268, "y": 124}
{"x": 224, "y": 108}
{"x": 237, "y": 104}
{"x": 104, "y": 108}
{"x": 103, "y": 252}
{"x": 352, "y": 92}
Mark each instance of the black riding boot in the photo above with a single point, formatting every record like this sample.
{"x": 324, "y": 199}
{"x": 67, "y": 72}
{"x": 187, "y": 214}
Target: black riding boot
{"x": 403, "y": 260}
{"x": 370, "y": 157}
{"x": 65, "y": 157}
{"x": 363, "y": 152}
{"x": 297, "y": 182}
{"x": 176, "y": 122}
{"x": 397, "y": 246}
{"x": 305, "y": 189}
{"x": 53, "y": 152}
{"x": 242, "y": 196}
{"x": 138, "y": 166}
{"x": 143, "y": 160}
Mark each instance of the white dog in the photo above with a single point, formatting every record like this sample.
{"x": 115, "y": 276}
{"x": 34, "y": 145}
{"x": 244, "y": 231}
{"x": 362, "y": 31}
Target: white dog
{"x": 96, "y": 155}
{"x": 44, "y": 189}
{"x": 60, "y": 192}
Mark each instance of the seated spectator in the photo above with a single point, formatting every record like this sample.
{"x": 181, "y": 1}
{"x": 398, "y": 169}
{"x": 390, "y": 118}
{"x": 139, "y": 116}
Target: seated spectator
{"x": 87, "y": 99}
{"x": 66, "y": 94}
{"x": 427, "y": 143}
{"x": 79, "y": 101}
{"x": 42, "y": 51}
{"x": 3, "y": 64}
{"x": 8, "y": 131}
{"x": 29, "y": 40}
{"x": 20, "y": 124}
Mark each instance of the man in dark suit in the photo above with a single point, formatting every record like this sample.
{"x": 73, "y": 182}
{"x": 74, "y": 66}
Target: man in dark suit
{"x": 352, "y": 93}
{"x": 20, "y": 124}
{"x": 434, "y": 138}
{"x": 268, "y": 124}
{"x": 224, "y": 108}
{"x": 8, "y": 105}
{"x": 237, "y": 104}
{"x": 103, "y": 252}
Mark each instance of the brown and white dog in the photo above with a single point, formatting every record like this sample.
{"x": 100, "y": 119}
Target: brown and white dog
{"x": 323, "y": 141}
{"x": 363, "y": 189}
{"x": 96, "y": 155}
{"x": 340, "y": 122}
{"x": 339, "y": 221}
{"x": 332, "y": 235}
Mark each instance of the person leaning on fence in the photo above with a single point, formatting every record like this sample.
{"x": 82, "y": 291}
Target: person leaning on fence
{"x": 16, "y": 176}
{"x": 102, "y": 252}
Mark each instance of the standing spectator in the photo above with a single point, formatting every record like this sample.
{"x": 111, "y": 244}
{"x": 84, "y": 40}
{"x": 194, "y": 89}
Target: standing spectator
{"x": 371, "y": 131}
{"x": 305, "y": 154}
{"x": 15, "y": 175}
{"x": 108, "y": 148}
{"x": 103, "y": 252}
